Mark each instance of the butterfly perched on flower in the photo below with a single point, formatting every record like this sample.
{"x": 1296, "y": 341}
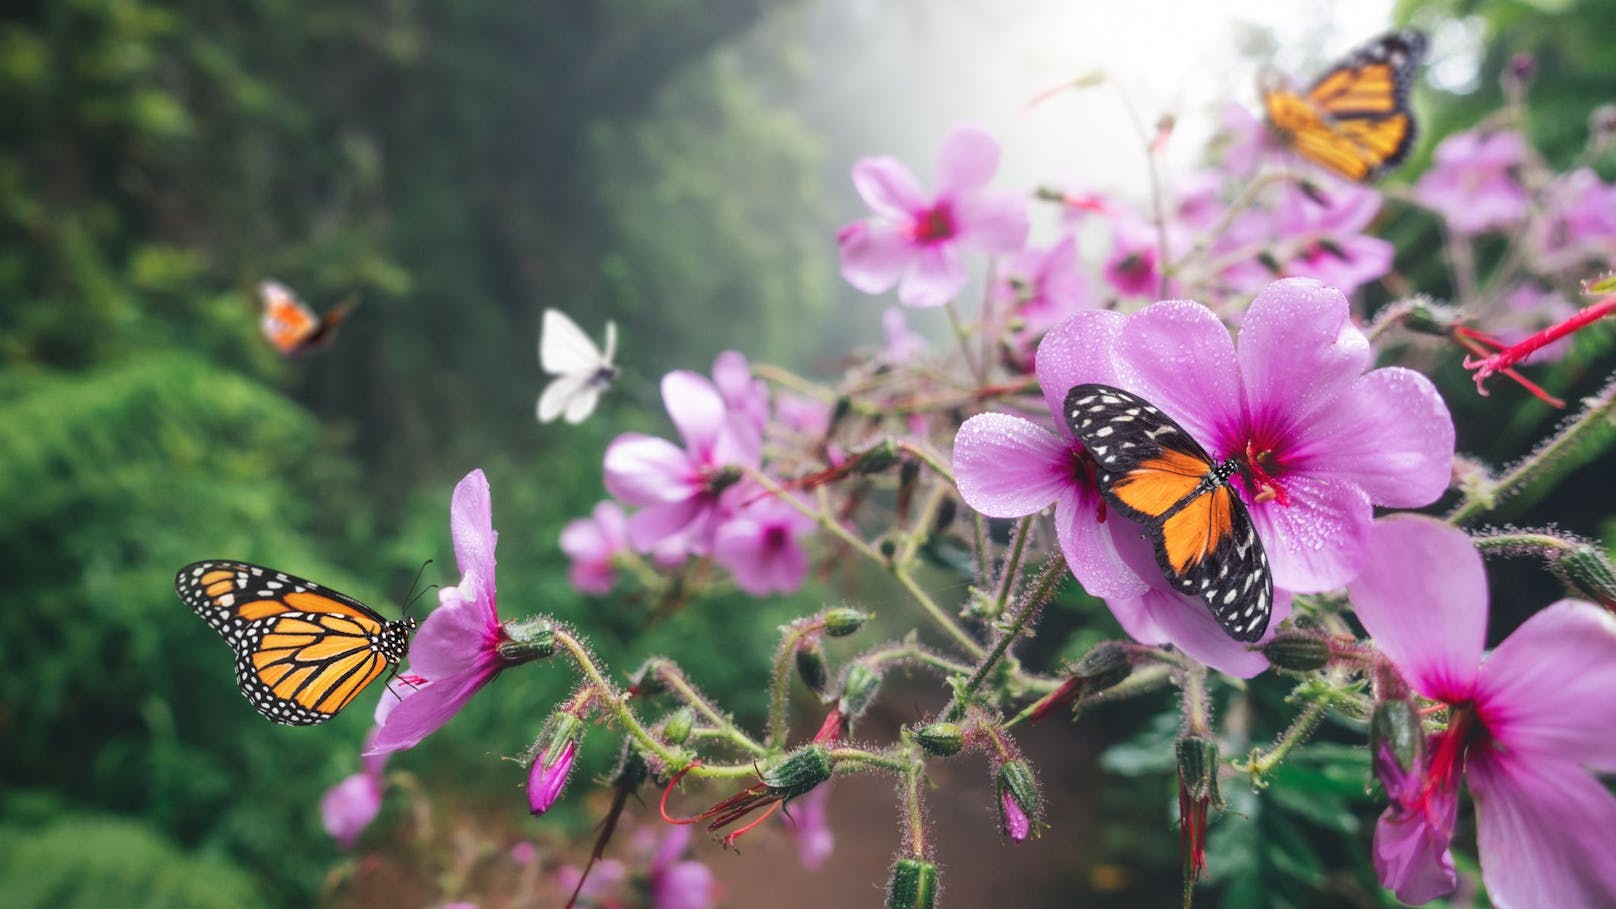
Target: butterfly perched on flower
{"x": 1151, "y": 471}
{"x": 291, "y": 326}
{"x": 581, "y": 370}
{"x": 1355, "y": 119}
{"x": 303, "y": 652}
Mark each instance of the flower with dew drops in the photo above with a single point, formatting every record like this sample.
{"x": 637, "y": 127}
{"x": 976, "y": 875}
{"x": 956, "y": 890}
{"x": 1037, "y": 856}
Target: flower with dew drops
{"x": 1319, "y": 441}
{"x": 591, "y": 544}
{"x": 462, "y": 645}
{"x": 1008, "y": 467}
{"x": 1528, "y": 726}
{"x": 915, "y": 242}
{"x": 1472, "y": 184}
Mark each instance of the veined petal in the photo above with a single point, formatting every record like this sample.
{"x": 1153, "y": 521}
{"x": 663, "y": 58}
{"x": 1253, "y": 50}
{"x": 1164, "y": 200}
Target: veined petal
{"x": 993, "y": 222}
{"x": 697, "y": 409}
{"x": 967, "y": 160}
{"x": 1076, "y": 351}
{"x": 425, "y": 709}
{"x": 1412, "y": 858}
{"x": 1008, "y": 467}
{"x": 1177, "y": 355}
{"x": 936, "y": 276}
{"x": 1299, "y": 351}
{"x": 1543, "y": 830}
{"x": 1090, "y": 547}
{"x": 457, "y": 634}
{"x": 1550, "y": 688}
{"x": 471, "y": 524}
{"x": 1316, "y": 542}
{"x": 1422, "y": 597}
{"x": 1390, "y": 433}
{"x": 645, "y": 470}
{"x": 888, "y": 188}
{"x": 874, "y": 255}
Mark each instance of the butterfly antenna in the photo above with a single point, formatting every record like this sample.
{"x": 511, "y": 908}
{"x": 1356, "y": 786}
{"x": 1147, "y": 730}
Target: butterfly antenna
{"x": 416, "y": 596}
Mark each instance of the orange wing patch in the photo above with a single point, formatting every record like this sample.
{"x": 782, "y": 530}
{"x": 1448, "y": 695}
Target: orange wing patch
{"x": 1195, "y": 531}
{"x": 1161, "y": 482}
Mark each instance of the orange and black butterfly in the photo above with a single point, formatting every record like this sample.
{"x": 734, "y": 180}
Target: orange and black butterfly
{"x": 303, "y": 652}
{"x": 1355, "y": 120}
{"x": 1153, "y": 472}
{"x": 291, "y": 326}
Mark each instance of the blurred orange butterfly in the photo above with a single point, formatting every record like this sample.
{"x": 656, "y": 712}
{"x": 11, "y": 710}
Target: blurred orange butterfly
{"x": 303, "y": 652}
{"x": 1355, "y": 119}
{"x": 291, "y": 326}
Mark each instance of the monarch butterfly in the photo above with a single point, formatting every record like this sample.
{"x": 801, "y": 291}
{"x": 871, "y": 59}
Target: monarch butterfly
{"x": 303, "y": 652}
{"x": 581, "y": 370}
{"x": 291, "y": 326}
{"x": 1355, "y": 119}
{"x": 1153, "y": 472}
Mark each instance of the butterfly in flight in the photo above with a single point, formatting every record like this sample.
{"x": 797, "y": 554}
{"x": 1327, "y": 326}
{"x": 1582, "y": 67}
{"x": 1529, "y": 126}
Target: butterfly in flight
{"x": 1151, "y": 471}
{"x": 581, "y": 370}
{"x": 303, "y": 652}
{"x": 291, "y": 326}
{"x": 1355, "y": 119}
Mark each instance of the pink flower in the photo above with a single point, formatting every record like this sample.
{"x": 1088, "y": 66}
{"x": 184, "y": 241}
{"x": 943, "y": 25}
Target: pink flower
{"x": 347, "y": 808}
{"x": 591, "y": 543}
{"x": 1008, "y": 467}
{"x": 547, "y": 778}
{"x": 801, "y": 414}
{"x": 1045, "y": 287}
{"x": 916, "y": 242}
{"x": 808, "y": 821}
{"x": 1014, "y": 821}
{"x": 456, "y": 652}
{"x": 1134, "y": 268}
{"x": 677, "y": 884}
{"x": 608, "y": 876}
{"x": 1247, "y": 143}
{"x": 1527, "y": 726}
{"x": 1319, "y": 441}
{"x": 1579, "y": 225}
{"x": 745, "y": 398}
{"x": 680, "y": 489}
{"x": 1471, "y": 183}
{"x": 760, "y": 546}
{"x": 1313, "y": 234}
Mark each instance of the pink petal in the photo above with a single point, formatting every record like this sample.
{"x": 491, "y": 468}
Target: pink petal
{"x": 888, "y": 188}
{"x": 686, "y": 885}
{"x": 347, "y": 808}
{"x": 651, "y": 526}
{"x": 458, "y": 633}
{"x": 992, "y": 222}
{"x": 967, "y": 160}
{"x": 1412, "y": 858}
{"x": 1550, "y": 688}
{"x": 1076, "y": 351}
{"x": 1299, "y": 351}
{"x": 1422, "y": 597}
{"x": 697, "y": 409}
{"x": 874, "y": 256}
{"x": 424, "y": 710}
{"x": 471, "y": 524}
{"x": 1007, "y": 467}
{"x": 583, "y": 539}
{"x": 935, "y": 277}
{"x": 738, "y": 546}
{"x": 1316, "y": 542}
{"x": 1543, "y": 828}
{"x": 1390, "y": 433}
{"x": 645, "y": 470}
{"x": 1090, "y": 547}
{"x": 1177, "y": 355}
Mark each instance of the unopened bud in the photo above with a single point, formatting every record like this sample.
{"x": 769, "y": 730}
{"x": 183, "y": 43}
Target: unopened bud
{"x": 877, "y": 457}
{"x": 1428, "y": 317}
{"x": 844, "y": 620}
{"x": 680, "y": 723}
{"x": 941, "y": 739}
{"x": 553, "y": 754}
{"x": 859, "y": 686}
{"x": 811, "y": 666}
{"x": 1588, "y": 571}
{"x": 1018, "y": 799}
{"x": 533, "y": 639}
{"x": 799, "y": 772}
{"x": 1102, "y": 667}
{"x": 946, "y": 512}
{"x": 913, "y": 885}
{"x": 722, "y": 479}
{"x": 1297, "y": 651}
{"x": 1198, "y": 769}
{"x": 1396, "y": 741}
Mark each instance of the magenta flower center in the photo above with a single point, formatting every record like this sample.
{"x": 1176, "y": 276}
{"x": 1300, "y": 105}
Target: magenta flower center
{"x": 934, "y": 225}
{"x": 774, "y": 538}
{"x": 1262, "y": 466}
{"x": 1083, "y": 474}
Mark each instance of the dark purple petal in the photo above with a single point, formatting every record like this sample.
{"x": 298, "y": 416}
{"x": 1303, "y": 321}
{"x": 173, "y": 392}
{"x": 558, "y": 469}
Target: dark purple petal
{"x": 1299, "y": 352}
{"x": 936, "y": 276}
{"x": 546, "y": 781}
{"x": 1076, "y": 351}
{"x": 1017, "y": 826}
{"x": 1177, "y": 355}
{"x": 645, "y": 470}
{"x": 888, "y": 188}
{"x": 1550, "y": 688}
{"x": 1422, "y": 597}
{"x": 1543, "y": 828}
{"x": 967, "y": 160}
{"x": 1389, "y": 433}
{"x": 1316, "y": 542}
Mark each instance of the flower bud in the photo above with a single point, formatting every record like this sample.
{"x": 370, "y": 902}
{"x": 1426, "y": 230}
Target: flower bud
{"x": 1588, "y": 571}
{"x": 811, "y": 666}
{"x": 941, "y": 739}
{"x": 844, "y": 620}
{"x": 677, "y": 729}
{"x": 533, "y": 639}
{"x": 1018, "y": 799}
{"x": 877, "y": 458}
{"x": 1428, "y": 317}
{"x": 799, "y": 772}
{"x": 913, "y": 885}
{"x": 859, "y": 686}
{"x": 554, "y": 752}
{"x": 1396, "y": 743}
{"x": 1197, "y": 791}
{"x": 1297, "y": 651}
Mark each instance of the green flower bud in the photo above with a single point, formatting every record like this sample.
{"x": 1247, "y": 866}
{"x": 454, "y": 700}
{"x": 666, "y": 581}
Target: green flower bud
{"x": 533, "y": 639}
{"x": 679, "y": 724}
{"x": 1198, "y": 769}
{"x": 941, "y": 739}
{"x": 1396, "y": 740}
{"x": 1588, "y": 571}
{"x": 877, "y": 458}
{"x": 859, "y": 686}
{"x": 844, "y": 620}
{"x": 913, "y": 885}
{"x": 1297, "y": 651}
{"x": 799, "y": 772}
{"x": 1018, "y": 799}
{"x": 811, "y": 666}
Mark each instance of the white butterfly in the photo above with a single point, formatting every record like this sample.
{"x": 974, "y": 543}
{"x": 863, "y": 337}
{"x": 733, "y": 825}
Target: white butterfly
{"x": 581, "y": 371}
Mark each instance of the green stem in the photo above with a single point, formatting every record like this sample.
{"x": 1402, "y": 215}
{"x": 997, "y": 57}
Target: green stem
{"x": 673, "y": 678}
{"x": 909, "y": 652}
{"x": 938, "y": 614}
{"x": 928, "y": 457}
{"x": 1261, "y": 763}
{"x": 1143, "y": 681}
{"x": 780, "y": 689}
{"x": 1197, "y": 704}
{"x": 914, "y": 815}
{"x": 1053, "y": 573}
{"x": 789, "y": 379}
{"x": 1011, "y": 564}
{"x": 858, "y": 758}
{"x": 823, "y": 518}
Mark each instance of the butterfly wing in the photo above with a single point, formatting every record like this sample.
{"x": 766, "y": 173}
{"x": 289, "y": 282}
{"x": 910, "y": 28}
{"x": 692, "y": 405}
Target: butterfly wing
{"x": 558, "y": 397}
{"x": 303, "y": 652}
{"x": 288, "y": 323}
{"x": 565, "y": 350}
{"x": 1155, "y": 473}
